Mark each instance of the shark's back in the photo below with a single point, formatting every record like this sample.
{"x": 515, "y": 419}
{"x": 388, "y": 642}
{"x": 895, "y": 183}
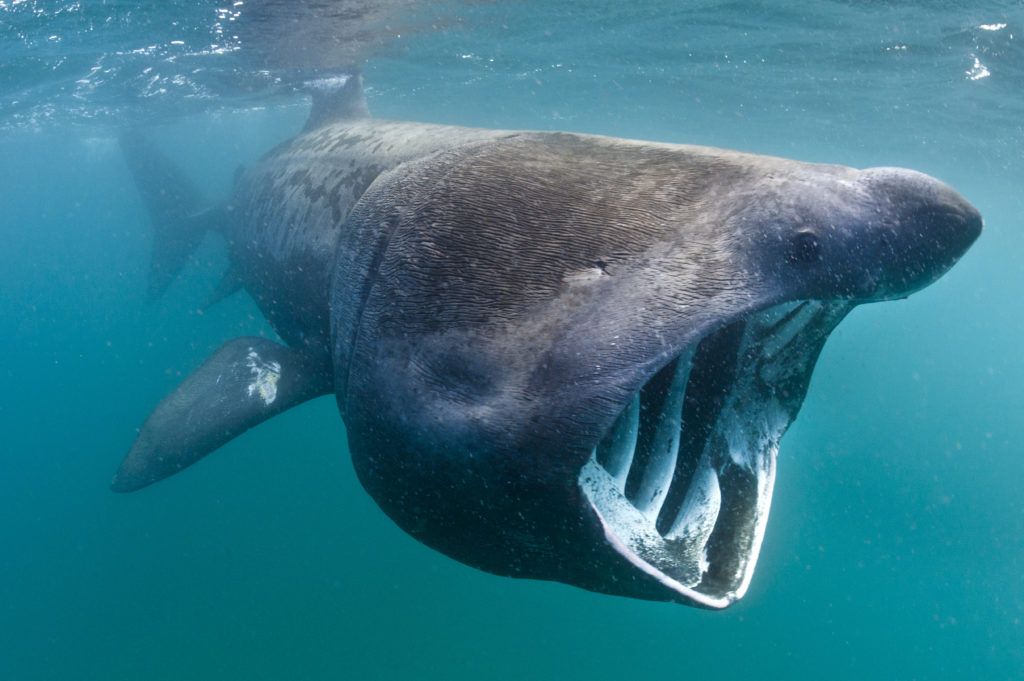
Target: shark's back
{"x": 290, "y": 207}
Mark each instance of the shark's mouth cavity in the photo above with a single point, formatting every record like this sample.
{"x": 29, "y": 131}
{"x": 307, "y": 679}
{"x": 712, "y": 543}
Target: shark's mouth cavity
{"x": 682, "y": 481}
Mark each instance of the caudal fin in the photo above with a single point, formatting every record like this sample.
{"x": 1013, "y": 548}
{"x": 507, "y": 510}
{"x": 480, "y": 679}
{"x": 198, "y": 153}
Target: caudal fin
{"x": 176, "y": 209}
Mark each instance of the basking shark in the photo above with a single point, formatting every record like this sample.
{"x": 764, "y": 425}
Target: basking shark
{"x": 557, "y": 356}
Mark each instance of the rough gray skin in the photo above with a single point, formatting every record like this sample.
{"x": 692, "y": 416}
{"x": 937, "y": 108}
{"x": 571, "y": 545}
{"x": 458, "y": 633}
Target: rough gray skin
{"x": 491, "y": 309}
{"x": 290, "y": 208}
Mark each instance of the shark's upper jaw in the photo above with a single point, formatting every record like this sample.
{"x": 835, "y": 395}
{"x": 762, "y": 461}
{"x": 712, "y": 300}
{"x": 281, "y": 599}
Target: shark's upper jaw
{"x": 682, "y": 482}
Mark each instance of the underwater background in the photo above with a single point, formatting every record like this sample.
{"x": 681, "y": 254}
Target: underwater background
{"x": 895, "y": 547}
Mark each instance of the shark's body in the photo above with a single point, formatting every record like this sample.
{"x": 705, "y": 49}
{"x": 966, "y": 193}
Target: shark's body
{"x": 557, "y": 356}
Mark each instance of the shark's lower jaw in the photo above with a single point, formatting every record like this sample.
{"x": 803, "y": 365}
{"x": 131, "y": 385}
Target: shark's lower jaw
{"x": 682, "y": 482}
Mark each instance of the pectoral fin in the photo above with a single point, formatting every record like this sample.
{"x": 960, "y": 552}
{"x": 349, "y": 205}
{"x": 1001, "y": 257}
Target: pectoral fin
{"x": 245, "y": 382}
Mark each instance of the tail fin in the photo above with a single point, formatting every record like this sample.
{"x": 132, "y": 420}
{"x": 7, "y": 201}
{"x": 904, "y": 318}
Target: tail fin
{"x": 175, "y": 207}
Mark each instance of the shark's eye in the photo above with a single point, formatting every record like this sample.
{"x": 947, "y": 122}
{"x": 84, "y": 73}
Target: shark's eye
{"x": 804, "y": 248}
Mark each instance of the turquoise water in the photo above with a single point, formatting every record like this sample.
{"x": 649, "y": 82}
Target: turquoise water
{"x": 895, "y": 547}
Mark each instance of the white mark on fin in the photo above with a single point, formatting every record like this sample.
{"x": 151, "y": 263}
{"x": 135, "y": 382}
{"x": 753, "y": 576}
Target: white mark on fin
{"x": 265, "y": 377}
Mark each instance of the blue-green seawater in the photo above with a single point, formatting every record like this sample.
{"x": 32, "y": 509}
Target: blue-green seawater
{"x": 895, "y": 547}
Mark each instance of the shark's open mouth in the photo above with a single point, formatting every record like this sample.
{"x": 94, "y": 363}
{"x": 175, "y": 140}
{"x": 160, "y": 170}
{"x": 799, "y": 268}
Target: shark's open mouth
{"x": 682, "y": 482}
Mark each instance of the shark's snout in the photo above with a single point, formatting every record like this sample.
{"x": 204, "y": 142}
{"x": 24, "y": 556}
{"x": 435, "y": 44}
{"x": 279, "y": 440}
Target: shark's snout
{"x": 928, "y": 227}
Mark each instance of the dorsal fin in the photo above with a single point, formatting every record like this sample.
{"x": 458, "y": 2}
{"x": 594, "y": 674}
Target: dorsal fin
{"x": 336, "y": 99}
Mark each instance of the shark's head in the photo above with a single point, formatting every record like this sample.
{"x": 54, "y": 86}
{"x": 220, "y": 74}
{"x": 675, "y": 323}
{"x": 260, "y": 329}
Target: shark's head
{"x": 573, "y": 358}
{"x": 682, "y": 480}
